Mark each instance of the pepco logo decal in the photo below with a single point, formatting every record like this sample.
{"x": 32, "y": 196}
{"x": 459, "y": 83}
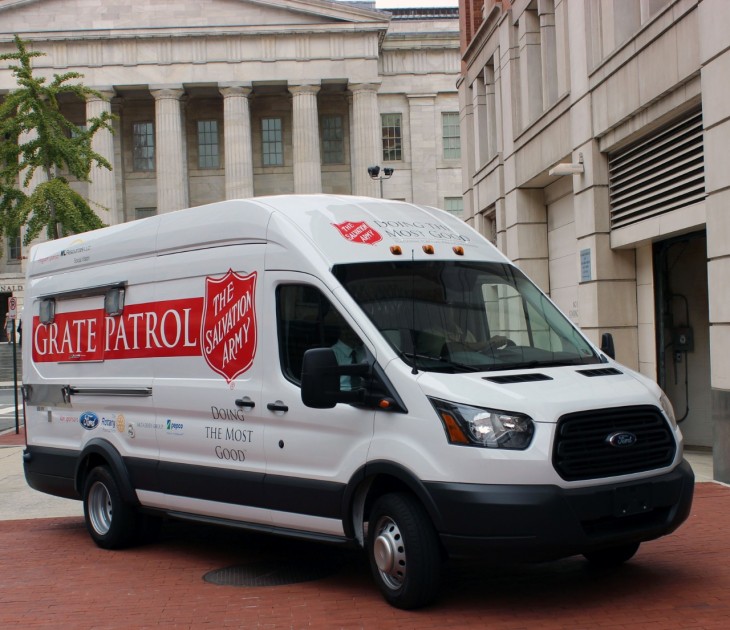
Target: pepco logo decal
{"x": 228, "y": 330}
{"x": 359, "y": 232}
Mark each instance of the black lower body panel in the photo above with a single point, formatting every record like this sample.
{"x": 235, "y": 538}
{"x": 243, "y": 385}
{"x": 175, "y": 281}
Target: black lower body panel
{"x": 526, "y": 523}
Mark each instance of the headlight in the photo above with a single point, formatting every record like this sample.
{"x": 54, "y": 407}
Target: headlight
{"x": 668, "y": 409}
{"x": 478, "y": 426}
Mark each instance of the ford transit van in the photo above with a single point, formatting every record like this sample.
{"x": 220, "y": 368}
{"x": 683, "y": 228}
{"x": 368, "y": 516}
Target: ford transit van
{"x": 348, "y": 370}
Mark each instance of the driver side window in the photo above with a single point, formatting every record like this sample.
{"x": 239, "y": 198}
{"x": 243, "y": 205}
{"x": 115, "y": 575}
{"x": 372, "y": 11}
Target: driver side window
{"x": 306, "y": 319}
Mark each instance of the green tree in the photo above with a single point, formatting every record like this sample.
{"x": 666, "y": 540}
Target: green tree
{"x": 35, "y": 135}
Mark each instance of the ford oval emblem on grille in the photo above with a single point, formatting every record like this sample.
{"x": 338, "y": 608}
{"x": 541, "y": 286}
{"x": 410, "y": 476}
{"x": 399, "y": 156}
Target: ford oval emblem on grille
{"x": 621, "y": 439}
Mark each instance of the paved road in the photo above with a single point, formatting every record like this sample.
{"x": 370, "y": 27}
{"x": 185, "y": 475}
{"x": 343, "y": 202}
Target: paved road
{"x": 53, "y": 576}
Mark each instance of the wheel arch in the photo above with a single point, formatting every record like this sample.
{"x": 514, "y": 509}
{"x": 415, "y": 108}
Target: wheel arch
{"x": 373, "y": 481}
{"x": 98, "y": 452}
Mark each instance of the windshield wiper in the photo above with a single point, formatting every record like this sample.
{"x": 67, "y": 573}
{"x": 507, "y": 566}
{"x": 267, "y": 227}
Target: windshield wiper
{"x": 446, "y": 362}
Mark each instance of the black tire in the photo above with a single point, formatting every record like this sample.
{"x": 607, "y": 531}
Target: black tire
{"x": 404, "y": 551}
{"x": 612, "y": 556}
{"x": 110, "y": 521}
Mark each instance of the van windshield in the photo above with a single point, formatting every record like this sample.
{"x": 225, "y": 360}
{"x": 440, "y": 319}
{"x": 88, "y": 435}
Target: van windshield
{"x": 450, "y": 316}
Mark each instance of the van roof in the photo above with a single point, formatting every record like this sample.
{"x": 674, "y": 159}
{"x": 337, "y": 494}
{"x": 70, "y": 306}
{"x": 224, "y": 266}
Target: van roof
{"x": 341, "y": 228}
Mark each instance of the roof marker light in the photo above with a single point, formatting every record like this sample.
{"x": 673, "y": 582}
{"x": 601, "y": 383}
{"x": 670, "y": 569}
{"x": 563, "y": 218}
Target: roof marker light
{"x": 458, "y": 250}
{"x": 428, "y": 249}
{"x": 396, "y": 250}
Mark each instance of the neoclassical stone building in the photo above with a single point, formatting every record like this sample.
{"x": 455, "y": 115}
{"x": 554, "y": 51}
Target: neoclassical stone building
{"x": 236, "y": 98}
{"x": 596, "y": 138}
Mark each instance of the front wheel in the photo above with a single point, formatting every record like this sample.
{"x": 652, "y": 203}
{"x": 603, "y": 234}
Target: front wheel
{"x": 109, "y": 520}
{"x": 404, "y": 551}
{"x": 612, "y": 556}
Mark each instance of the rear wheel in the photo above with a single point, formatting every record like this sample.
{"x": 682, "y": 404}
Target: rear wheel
{"x": 612, "y": 556}
{"x": 404, "y": 551}
{"x": 109, "y": 520}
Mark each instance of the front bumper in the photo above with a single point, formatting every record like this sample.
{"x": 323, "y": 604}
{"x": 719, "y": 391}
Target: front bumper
{"x": 533, "y": 523}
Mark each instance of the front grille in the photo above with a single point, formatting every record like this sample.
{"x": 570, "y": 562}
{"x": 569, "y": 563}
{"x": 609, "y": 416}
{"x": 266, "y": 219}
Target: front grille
{"x": 582, "y": 449}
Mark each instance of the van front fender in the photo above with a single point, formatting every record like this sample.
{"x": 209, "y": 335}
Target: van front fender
{"x": 375, "y": 479}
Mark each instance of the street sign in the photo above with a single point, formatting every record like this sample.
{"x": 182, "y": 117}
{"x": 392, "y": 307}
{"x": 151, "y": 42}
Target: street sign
{"x": 12, "y": 307}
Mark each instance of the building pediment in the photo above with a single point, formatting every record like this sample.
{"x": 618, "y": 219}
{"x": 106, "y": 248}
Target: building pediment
{"x": 40, "y": 19}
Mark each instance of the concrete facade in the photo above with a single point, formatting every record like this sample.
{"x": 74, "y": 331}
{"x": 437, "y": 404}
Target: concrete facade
{"x": 629, "y": 100}
{"x": 165, "y": 68}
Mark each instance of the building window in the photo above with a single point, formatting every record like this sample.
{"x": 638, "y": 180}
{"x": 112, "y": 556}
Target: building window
{"x": 454, "y": 205}
{"x": 392, "y": 137}
{"x": 144, "y": 146}
{"x": 15, "y": 251}
{"x": 208, "y": 144}
{"x": 333, "y": 140}
{"x": 272, "y": 142}
{"x": 451, "y": 135}
{"x": 143, "y": 213}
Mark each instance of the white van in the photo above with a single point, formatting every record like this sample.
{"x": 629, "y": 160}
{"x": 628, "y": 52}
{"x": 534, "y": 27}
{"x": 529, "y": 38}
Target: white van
{"x": 343, "y": 369}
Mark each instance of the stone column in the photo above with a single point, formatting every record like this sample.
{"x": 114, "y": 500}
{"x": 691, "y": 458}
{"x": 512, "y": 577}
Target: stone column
{"x": 170, "y": 154}
{"x": 424, "y": 128}
{"x": 366, "y": 139}
{"x": 305, "y": 139}
{"x": 548, "y": 52}
{"x": 481, "y": 124}
{"x": 102, "y": 184}
{"x": 237, "y": 144}
{"x": 607, "y": 290}
{"x": 715, "y": 57}
{"x": 530, "y": 68}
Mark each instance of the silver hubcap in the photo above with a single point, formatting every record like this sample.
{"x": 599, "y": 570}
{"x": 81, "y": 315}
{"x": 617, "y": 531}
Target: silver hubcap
{"x": 100, "y": 508}
{"x": 390, "y": 553}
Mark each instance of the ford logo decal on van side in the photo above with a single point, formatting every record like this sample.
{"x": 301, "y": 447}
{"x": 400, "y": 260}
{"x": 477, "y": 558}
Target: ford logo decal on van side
{"x": 89, "y": 420}
{"x": 622, "y": 438}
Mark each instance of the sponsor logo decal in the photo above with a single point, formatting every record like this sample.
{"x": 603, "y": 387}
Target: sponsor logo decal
{"x": 174, "y": 428}
{"x": 89, "y": 420}
{"x": 108, "y": 424}
{"x": 359, "y": 232}
{"x": 228, "y": 331}
{"x": 621, "y": 439}
{"x": 120, "y": 423}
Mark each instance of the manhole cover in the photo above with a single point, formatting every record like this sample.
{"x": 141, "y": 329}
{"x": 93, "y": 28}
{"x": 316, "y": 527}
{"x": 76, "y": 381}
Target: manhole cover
{"x": 273, "y": 572}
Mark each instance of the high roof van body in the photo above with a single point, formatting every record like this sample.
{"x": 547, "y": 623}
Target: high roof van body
{"x": 344, "y": 369}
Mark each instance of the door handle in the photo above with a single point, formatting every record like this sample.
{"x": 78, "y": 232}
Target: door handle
{"x": 245, "y": 402}
{"x": 277, "y": 406}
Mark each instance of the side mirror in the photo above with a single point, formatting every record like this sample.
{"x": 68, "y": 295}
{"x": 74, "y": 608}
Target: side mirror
{"x": 607, "y": 346}
{"x": 321, "y": 379}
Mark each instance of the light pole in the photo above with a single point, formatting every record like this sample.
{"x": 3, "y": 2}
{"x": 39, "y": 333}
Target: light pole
{"x": 375, "y": 173}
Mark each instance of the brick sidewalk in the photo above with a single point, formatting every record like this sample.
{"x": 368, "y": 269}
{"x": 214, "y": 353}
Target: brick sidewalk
{"x": 54, "y": 576}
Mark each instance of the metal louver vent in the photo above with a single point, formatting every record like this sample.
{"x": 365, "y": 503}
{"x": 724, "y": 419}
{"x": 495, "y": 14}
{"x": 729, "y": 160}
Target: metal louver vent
{"x": 661, "y": 173}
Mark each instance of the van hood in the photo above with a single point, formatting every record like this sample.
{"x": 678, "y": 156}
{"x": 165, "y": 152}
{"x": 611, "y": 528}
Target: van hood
{"x": 543, "y": 394}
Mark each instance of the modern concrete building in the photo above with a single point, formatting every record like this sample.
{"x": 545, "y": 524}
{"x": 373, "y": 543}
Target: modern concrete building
{"x": 595, "y": 154}
{"x": 235, "y": 98}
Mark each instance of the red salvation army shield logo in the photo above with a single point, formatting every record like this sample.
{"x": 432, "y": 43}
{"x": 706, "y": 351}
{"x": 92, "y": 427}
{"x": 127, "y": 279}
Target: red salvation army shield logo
{"x": 359, "y": 232}
{"x": 228, "y": 331}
